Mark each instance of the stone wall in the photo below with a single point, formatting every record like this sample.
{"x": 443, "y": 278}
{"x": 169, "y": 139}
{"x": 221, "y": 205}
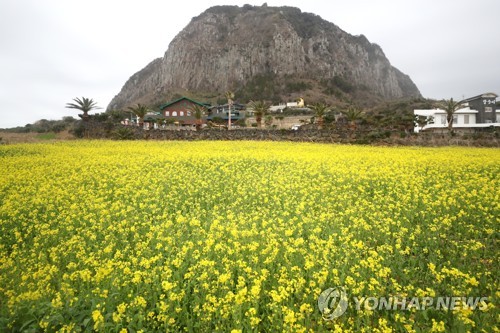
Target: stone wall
{"x": 244, "y": 134}
{"x": 285, "y": 123}
{"x": 338, "y": 135}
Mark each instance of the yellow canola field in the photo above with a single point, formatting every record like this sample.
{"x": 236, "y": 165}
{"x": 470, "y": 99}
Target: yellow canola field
{"x": 244, "y": 236}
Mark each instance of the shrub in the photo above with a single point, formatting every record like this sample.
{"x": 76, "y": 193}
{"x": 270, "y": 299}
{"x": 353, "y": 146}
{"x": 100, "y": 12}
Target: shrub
{"x": 123, "y": 133}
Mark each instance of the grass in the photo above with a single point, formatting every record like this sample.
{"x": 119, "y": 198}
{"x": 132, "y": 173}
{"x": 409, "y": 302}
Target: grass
{"x": 15, "y": 138}
{"x": 46, "y": 136}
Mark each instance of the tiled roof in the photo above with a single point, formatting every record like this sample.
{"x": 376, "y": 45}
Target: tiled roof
{"x": 163, "y": 106}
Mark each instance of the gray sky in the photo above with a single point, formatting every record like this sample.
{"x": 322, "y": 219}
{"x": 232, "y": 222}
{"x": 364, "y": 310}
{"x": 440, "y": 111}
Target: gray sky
{"x": 54, "y": 50}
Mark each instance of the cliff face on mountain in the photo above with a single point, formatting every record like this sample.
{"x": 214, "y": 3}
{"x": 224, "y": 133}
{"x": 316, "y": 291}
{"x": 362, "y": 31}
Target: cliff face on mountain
{"x": 262, "y": 52}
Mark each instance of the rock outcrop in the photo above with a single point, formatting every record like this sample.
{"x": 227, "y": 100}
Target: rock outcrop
{"x": 272, "y": 52}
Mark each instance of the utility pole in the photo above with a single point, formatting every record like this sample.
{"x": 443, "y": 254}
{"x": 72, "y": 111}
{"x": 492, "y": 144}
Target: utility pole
{"x": 229, "y": 96}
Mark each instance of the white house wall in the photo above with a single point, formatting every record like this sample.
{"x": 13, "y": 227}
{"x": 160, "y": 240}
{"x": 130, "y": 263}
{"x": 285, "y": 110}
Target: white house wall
{"x": 440, "y": 120}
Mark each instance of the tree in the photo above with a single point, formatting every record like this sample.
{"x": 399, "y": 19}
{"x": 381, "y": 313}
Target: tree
{"x": 450, "y": 107}
{"x": 352, "y": 115}
{"x": 320, "y": 109}
{"x": 422, "y": 121}
{"x": 198, "y": 112}
{"x": 268, "y": 120}
{"x": 279, "y": 118}
{"x": 160, "y": 122}
{"x": 229, "y": 96}
{"x": 140, "y": 111}
{"x": 169, "y": 121}
{"x": 85, "y": 105}
{"x": 68, "y": 120}
{"x": 260, "y": 109}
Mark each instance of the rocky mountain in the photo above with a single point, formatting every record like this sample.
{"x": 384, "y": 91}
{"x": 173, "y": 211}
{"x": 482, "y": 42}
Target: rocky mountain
{"x": 272, "y": 53}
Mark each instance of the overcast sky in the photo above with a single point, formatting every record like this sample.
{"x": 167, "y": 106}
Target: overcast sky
{"x": 54, "y": 50}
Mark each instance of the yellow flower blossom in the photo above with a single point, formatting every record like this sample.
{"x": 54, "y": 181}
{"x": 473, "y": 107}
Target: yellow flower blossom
{"x": 163, "y": 236}
{"x": 98, "y": 319}
{"x": 437, "y": 326}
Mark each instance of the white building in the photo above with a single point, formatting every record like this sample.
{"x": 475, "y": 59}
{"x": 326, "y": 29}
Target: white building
{"x": 277, "y": 108}
{"x": 462, "y": 118}
{"x": 483, "y": 114}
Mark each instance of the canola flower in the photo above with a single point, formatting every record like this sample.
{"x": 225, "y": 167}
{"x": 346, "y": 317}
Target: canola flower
{"x": 243, "y": 236}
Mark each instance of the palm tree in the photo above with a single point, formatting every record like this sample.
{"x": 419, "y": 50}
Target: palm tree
{"x": 352, "y": 115}
{"x": 320, "y": 109}
{"x": 140, "y": 111}
{"x": 198, "y": 112}
{"x": 260, "y": 108}
{"x": 230, "y": 97}
{"x": 450, "y": 107}
{"x": 85, "y": 105}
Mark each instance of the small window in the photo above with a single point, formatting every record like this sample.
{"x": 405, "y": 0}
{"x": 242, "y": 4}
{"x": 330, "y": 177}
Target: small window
{"x": 466, "y": 118}
{"x": 455, "y": 119}
{"x": 443, "y": 120}
{"x": 174, "y": 113}
{"x": 181, "y": 113}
